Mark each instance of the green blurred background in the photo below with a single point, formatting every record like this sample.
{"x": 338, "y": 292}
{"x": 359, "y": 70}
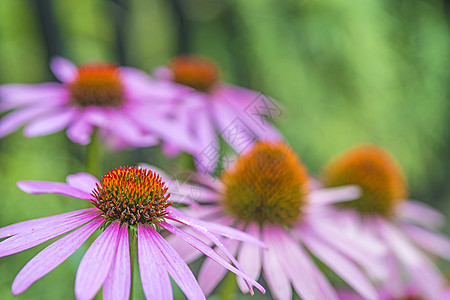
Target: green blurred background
{"x": 345, "y": 72}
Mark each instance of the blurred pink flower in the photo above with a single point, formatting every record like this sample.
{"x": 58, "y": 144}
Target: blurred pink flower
{"x": 207, "y": 108}
{"x": 93, "y": 95}
{"x": 406, "y": 227}
{"x": 129, "y": 202}
{"x": 267, "y": 194}
{"x": 411, "y": 293}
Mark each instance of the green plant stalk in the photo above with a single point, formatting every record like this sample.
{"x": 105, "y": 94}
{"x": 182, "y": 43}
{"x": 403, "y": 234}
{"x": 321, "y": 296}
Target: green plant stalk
{"x": 228, "y": 287}
{"x": 132, "y": 234}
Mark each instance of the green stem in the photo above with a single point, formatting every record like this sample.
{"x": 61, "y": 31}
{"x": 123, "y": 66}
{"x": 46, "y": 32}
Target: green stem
{"x": 228, "y": 287}
{"x": 132, "y": 234}
{"x": 93, "y": 159}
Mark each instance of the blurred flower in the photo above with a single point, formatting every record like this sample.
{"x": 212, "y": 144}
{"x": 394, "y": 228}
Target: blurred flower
{"x": 267, "y": 194}
{"x": 205, "y": 106}
{"x": 405, "y": 226}
{"x": 93, "y": 95}
{"x": 410, "y": 293}
{"x": 129, "y": 203}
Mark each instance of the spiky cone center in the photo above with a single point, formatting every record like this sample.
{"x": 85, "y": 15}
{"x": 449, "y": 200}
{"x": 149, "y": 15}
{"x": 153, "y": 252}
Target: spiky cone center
{"x": 194, "y": 71}
{"x": 132, "y": 195}
{"x": 266, "y": 185}
{"x": 376, "y": 172}
{"x": 97, "y": 84}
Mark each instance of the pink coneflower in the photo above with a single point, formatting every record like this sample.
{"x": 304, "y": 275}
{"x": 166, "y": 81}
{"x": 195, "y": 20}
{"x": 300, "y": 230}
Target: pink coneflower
{"x": 406, "y": 227}
{"x": 267, "y": 194}
{"x": 207, "y": 107}
{"x": 130, "y": 203}
{"x": 93, "y": 95}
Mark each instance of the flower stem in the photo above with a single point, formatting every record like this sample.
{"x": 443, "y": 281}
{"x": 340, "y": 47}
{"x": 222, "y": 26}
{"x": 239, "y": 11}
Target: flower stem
{"x": 132, "y": 234}
{"x": 228, "y": 287}
{"x": 93, "y": 159}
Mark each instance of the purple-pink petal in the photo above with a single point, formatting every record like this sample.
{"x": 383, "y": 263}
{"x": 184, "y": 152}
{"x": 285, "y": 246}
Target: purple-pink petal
{"x": 176, "y": 267}
{"x": 41, "y": 233}
{"x": 274, "y": 274}
{"x": 203, "y": 247}
{"x": 15, "y": 119}
{"x": 96, "y": 263}
{"x": 154, "y": 277}
{"x": 431, "y": 242}
{"x": 50, "y": 123}
{"x": 27, "y": 225}
{"x": 211, "y": 273}
{"x": 118, "y": 282}
{"x": 46, "y": 187}
{"x": 82, "y": 181}
{"x": 420, "y": 213}
{"x": 214, "y": 228}
{"x": 326, "y": 196}
{"x": 250, "y": 257}
{"x": 52, "y": 256}
{"x": 63, "y": 69}
{"x": 341, "y": 265}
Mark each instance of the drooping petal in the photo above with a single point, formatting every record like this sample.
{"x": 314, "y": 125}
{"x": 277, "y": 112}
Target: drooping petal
{"x": 274, "y": 274}
{"x": 176, "y": 267}
{"x": 431, "y": 242}
{"x": 82, "y": 181}
{"x": 213, "y": 228}
{"x": 96, "y": 263}
{"x": 341, "y": 265}
{"x": 366, "y": 252}
{"x": 16, "y": 95}
{"x": 118, "y": 282}
{"x": 293, "y": 259}
{"x": 52, "y": 256}
{"x": 154, "y": 277}
{"x": 39, "y": 234}
{"x": 14, "y": 120}
{"x": 41, "y": 222}
{"x": 205, "y": 248}
{"x": 211, "y": 273}
{"x": 46, "y": 187}
{"x": 188, "y": 254}
{"x": 326, "y": 196}
{"x": 420, "y": 213}
{"x": 63, "y": 69}
{"x": 250, "y": 258}
{"x": 51, "y": 123}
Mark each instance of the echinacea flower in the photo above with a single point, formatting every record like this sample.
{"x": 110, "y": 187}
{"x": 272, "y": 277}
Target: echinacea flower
{"x": 267, "y": 194}
{"x": 95, "y": 95}
{"x": 406, "y": 227}
{"x": 129, "y": 204}
{"x": 207, "y": 107}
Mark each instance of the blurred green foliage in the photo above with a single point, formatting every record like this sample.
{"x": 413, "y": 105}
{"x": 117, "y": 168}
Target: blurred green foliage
{"x": 345, "y": 72}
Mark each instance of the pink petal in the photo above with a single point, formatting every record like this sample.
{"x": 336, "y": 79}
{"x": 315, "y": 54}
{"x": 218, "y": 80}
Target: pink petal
{"x": 341, "y": 265}
{"x": 154, "y": 277}
{"x": 46, "y": 187}
{"x": 14, "y": 120}
{"x": 43, "y": 232}
{"x": 205, "y": 248}
{"x": 44, "y": 94}
{"x": 294, "y": 261}
{"x": 50, "y": 123}
{"x": 249, "y": 258}
{"x": 363, "y": 251}
{"x": 42, "y": 222}
{"x": 187, "y": 253}
{"x": 118, "y": 282}
{"x": 208, "y": 150}
{"x": 211, "y": 273}
{"x": 64, "y": 69}
{"x": 176, "y": 267}
{"x": 52, "y": 256}
{"x": 326, "y": 196}
{"x": 274, "y": 274}
{"x": 431, "y": 242}
{"x": 96, "y": 263}
{"x": 82, "y": 181}
{"x": 81, "y": 129}
{"x": 213, "y": 228}
{"x": 420, "y": 213}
